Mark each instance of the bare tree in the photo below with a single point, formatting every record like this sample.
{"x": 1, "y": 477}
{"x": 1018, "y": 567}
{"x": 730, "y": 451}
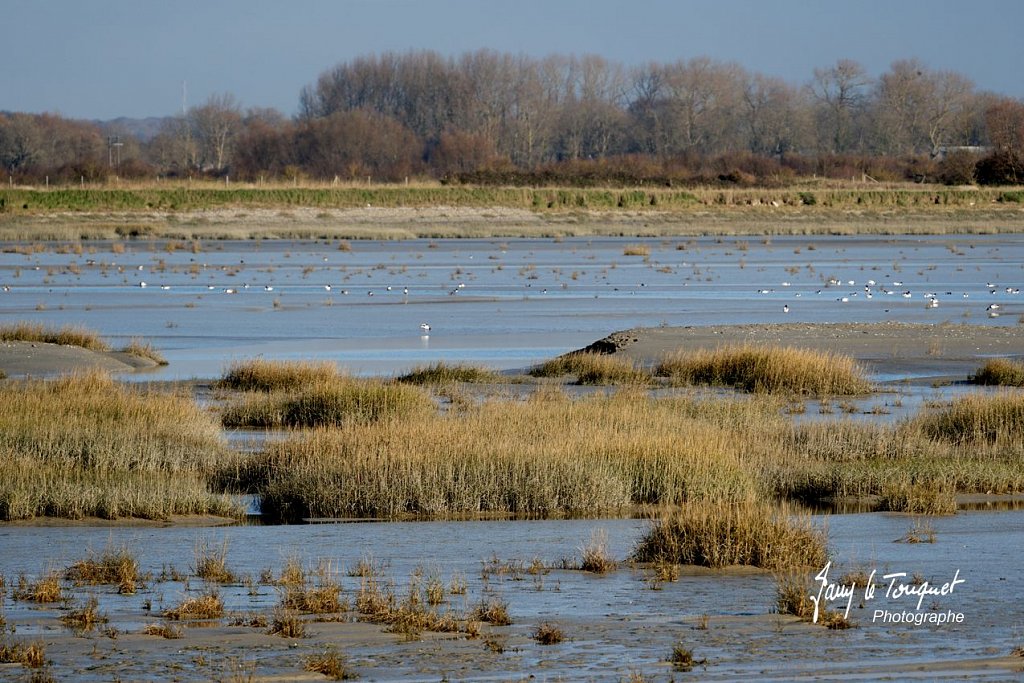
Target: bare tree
{"x": 839, "y": 91}
{"x": 215, "y": 124}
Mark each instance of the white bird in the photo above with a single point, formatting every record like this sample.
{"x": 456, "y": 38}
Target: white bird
{"x": 142, "y": 284}
{"x": 785, "y": 308}
{"x": 932, "y": 303}
{"x": 327, "y": 287}
{"x": 230, "y": 290}
{"x": 268, "y": 288}
{"x": 405, "y": 291}
{"x": 993, "y": 307}
{"x": 165, "y": 287}
{"x": 907, "y": 294}
{"x": 425, "y": 327}
{"x": 389, "y": 288}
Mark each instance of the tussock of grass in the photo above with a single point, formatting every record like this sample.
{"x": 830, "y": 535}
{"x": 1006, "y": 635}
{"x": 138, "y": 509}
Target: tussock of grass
{"x": 287, "y": 624}
{"x": 211, "y": 562}
{"x": 332, "y": 664}
{"x": 548, "y": 633}
{"x": 793, "y": 591}
{"x": 492, "y": 611}
{"x": 1000, "y": 372}
{"x": 66, "y": 336}
{"x": 595, "y": 555}
{"x": 45, "y": 589}
{"x": 340, "y": 401}
{"x": 723, "y": 534}
{"x": 83, "y": 445}
{"x": 444, "y": 373}
{"x": 86, "y": 617}
{"x": 144, "y": 349}
{"x": 31, "y": 655}
{"x": 114, "y": 566}
{"x": 202, "y": 607}
{"x": 264, "y": 375}
{"x": 767, "y": 370}
{"x": 593, "y": 368}
{"x": 164, "y": 630}
{"x": 636, "y": 250}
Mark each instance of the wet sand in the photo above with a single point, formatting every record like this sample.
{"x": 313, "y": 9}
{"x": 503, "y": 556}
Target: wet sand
{"x": 38, "y": 359}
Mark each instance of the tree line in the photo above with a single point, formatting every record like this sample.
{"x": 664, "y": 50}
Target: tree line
{"x": 489, "y": 117}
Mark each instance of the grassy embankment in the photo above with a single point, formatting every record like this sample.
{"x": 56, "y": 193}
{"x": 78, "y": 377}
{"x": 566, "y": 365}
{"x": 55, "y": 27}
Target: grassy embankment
{"x": 310, "y": 211}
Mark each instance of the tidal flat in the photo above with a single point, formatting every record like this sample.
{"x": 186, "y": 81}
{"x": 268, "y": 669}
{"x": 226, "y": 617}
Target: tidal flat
{"x": 423, "y": 506}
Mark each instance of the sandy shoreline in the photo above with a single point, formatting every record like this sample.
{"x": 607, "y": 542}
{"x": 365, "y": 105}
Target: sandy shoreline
{"x": 39, "y": 359}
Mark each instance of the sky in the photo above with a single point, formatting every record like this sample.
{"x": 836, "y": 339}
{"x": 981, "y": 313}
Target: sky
{"x": 101, "y": 59}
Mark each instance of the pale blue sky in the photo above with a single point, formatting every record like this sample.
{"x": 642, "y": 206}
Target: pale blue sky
{"x": 108, "y": 58}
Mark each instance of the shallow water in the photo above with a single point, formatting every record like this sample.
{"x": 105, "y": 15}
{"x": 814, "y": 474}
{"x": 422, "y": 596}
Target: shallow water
{"x": 616, "y": 622}
{"x": 522, "y": 300}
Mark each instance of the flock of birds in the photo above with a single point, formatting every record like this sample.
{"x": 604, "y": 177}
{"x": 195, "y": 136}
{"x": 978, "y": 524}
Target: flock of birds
{"x": 869, "y": 290}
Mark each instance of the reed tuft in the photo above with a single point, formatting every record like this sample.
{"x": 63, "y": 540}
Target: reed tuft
{"x": 767, "y": 370}
{"x": 722, "y": 534}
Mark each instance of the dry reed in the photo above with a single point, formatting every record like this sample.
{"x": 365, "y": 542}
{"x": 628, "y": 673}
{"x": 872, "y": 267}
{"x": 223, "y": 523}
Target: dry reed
{"x": 264, "y": 375}
{"x": 723, "y": 534}
{"x": 83, "y": 445}
{"x": 1000, "y": 372}
{"x": 594, "y": 369}
{"x": 445, "y": 373}
{"x": 767, "y": 370}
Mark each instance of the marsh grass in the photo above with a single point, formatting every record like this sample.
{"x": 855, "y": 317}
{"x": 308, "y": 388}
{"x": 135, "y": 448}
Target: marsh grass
{"x": 446, "y": 373}
{"x": 83, "y": 445}
{"x": 206, "y": 606}
{"x": 164, "y": 630}
{"x": 211, "y": 562}
{"x": 144, "y": 349}
{"x": 723, "y": 534}
{"x": 793, "y": 591}
{"x": 927, "y": 498}
{"x": 767, "y": 370}
{"x": 31, "y": 655}
{"x": 44, "y": 590}
{"x": 263, "y": 375}
{"x": 596, "y": 557}
{"x": 548, "y": 633}
{"x": 1000, "y": 372}
{"x": 548, "y": 455}
{"x": 492, "y": 610}
{"x": 920, "y": 532}
{"x": 994, "y": 419}
{"x": 339, "y": 401}
{"x": 332, "y": 664}
{"x": 682, "y": 658}
{"x": 65, "y": 336}
{"x": 115, "y": 566}
{"x": 85, "y": 618}
{"x": 323, "y": 597}
{"x": 287, "y": 624}
{"x": 593, "y": 369}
